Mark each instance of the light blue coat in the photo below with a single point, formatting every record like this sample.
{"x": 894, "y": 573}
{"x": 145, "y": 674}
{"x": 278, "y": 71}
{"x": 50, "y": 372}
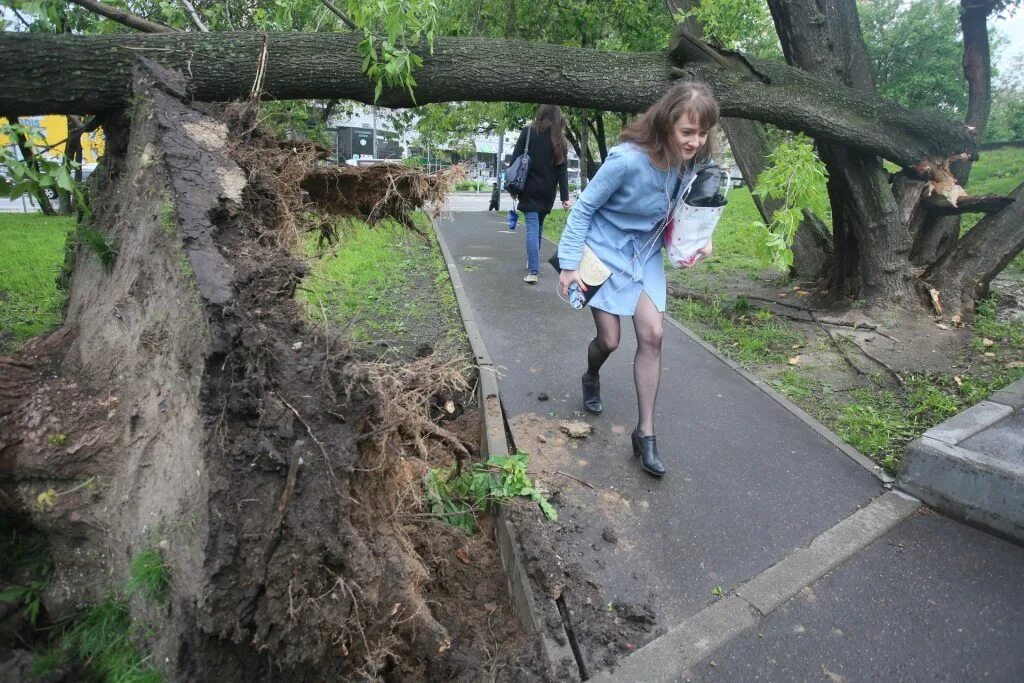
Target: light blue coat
{"x": 618, "y": 214}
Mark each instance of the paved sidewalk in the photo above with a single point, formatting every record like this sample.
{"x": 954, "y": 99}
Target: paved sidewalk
{"x": 759, "y": 504}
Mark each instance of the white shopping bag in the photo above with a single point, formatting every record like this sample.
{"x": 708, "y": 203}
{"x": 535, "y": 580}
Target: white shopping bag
{"x": 690, "y": 229}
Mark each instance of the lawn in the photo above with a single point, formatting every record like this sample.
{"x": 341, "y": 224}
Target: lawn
{"x": 33, "y": 253}
{"x": 384, "y": 285}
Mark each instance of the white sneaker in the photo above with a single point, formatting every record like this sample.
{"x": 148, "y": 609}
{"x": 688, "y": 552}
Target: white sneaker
{"x": 531, "y": 278}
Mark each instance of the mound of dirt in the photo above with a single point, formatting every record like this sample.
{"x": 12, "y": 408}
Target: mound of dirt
{"x": 198, "y": 413}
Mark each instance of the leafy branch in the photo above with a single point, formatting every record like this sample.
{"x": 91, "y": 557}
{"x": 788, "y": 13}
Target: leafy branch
{"x": 796, "y": 176}
{"x": 391, "y": 29}
{"x": 32, "y": 172}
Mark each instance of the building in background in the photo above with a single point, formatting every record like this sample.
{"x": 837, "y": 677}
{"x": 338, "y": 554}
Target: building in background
{"x": 369, "y": 135}
{"x": 52, "y": 131}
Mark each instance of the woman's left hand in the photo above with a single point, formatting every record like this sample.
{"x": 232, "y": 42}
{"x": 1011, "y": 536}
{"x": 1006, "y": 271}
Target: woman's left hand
{"x": 565, "y": 203}
{"x": 698, "y": 256}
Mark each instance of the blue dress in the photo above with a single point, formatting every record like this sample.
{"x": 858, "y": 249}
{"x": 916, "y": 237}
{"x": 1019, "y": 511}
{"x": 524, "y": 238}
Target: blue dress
{"x": 618, "y": 216}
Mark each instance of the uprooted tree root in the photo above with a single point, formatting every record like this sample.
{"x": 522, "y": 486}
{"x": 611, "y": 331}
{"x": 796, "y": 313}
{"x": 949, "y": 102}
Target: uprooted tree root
{"x": 373, "y": 193}
{"x": 272, "y": 472}
{"x": 407, "y": 399}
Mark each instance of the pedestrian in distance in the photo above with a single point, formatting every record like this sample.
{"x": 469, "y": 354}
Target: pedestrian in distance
{"x": 495, "y": 197}
{"x": 548, "y": 169}
{"x": 664, "y": 157}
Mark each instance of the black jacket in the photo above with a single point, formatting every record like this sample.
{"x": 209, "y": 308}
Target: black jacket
{"x": 539, "y": 193}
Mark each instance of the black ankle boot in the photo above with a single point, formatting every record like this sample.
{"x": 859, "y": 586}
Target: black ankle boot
{"x": 646, "y": 448}
{"x": 592, "y": 395}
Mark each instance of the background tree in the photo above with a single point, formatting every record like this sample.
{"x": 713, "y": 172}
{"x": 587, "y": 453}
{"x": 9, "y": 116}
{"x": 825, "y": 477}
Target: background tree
{"x": 915, "y": 50}
{"x": 1006, "y": 120}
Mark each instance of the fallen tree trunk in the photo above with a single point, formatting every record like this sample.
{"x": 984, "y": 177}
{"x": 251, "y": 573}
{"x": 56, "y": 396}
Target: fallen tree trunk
{"x": 86, "y": 74}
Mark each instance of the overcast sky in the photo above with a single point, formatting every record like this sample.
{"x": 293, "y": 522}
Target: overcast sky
{"x": 1013, "y": 30}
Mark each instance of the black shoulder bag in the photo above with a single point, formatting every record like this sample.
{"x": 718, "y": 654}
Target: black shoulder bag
{"x": 515, "y": 176}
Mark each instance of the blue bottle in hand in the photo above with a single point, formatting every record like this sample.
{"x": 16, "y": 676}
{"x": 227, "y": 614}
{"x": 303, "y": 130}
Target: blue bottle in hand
{"x": 513, "y": 218}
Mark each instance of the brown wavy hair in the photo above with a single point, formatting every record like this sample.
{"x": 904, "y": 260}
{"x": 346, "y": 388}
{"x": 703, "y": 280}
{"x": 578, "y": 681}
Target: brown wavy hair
{"x": 549, "y": 117}
{"x": 652, "y": 130}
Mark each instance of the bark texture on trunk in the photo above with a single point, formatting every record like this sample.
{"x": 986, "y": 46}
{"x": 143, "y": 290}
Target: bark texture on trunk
{"x": 963, "y": 275}
{"x": 938, "y": 234}
{"x": 85, "y": 75}
{"x": 872, "y": 247}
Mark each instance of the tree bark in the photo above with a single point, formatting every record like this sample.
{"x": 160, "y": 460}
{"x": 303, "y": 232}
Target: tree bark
{"x": 963, "y": 275}
{"x": 83, "y": 77}
{"x": 585, "y": 151}
{"x": 872, "y": 247}
{"x": 597, "y": 128}
{"x": 938, "y": 234}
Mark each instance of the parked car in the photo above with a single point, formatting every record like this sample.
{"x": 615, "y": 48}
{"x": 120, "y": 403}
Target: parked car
{"x": 87, "y": 169}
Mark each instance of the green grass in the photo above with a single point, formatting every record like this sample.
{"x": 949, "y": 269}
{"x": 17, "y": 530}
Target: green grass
{"x": 554, "y": 224}
{"x": 33, "y": 253}
{"x": 107, "y": 641}
{"x": 384, "y": 284}
{"x": 998, "y": 171}
{"x": 104, "y": 249}
{"x": 26, "y": 567}
{"x": 880, "y": 419}
{"x": 148, "y": 574}
{"x": 747, "y": 336}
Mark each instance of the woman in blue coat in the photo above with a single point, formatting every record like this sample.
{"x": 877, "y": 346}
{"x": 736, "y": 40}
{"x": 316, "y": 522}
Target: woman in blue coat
{"x": 618, "y": 216}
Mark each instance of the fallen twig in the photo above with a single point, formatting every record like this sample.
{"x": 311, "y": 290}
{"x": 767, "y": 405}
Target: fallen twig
{"x": 882, "y": 363}
{"x": 574, "y": 478}
{"x": 838, "y": 347}
{"x": 821, "y": 321}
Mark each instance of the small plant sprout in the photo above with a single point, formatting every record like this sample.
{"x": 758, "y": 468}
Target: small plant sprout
{"x": 455, "y": 499}
{"x": 46, "y": 500}
{"x": 95, "y": 242}
{"x": 149, "y": 575}
{"x": 57, "y": 439}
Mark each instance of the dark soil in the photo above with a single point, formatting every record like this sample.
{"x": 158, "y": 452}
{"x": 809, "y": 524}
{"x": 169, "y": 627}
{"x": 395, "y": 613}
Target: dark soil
{"x": 265, "y": 458}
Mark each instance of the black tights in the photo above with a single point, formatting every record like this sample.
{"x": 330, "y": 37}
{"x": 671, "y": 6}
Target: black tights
{"x": 648, "y": 324}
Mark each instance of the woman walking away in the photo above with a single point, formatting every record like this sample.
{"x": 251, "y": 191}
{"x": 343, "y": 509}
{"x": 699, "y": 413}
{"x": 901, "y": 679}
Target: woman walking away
{"x": 547, "y": 168}
{"x": 620, "y": 217}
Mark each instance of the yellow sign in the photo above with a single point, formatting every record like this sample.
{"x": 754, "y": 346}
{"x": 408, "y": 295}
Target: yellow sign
{"x": 53, "y": 130}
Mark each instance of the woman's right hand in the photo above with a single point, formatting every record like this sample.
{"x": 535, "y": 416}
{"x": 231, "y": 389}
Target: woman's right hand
{"x": 566, "y": 278}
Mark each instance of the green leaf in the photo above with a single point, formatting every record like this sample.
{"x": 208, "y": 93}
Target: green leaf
{"x": 64, "y": 180}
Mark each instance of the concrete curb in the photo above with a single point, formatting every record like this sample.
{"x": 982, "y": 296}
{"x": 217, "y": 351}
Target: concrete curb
{"x": 671, "y": 656}
{"x": 533, "y": 611}
{"x": 816, "y": 426}
{"x": 968, "y": 485}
